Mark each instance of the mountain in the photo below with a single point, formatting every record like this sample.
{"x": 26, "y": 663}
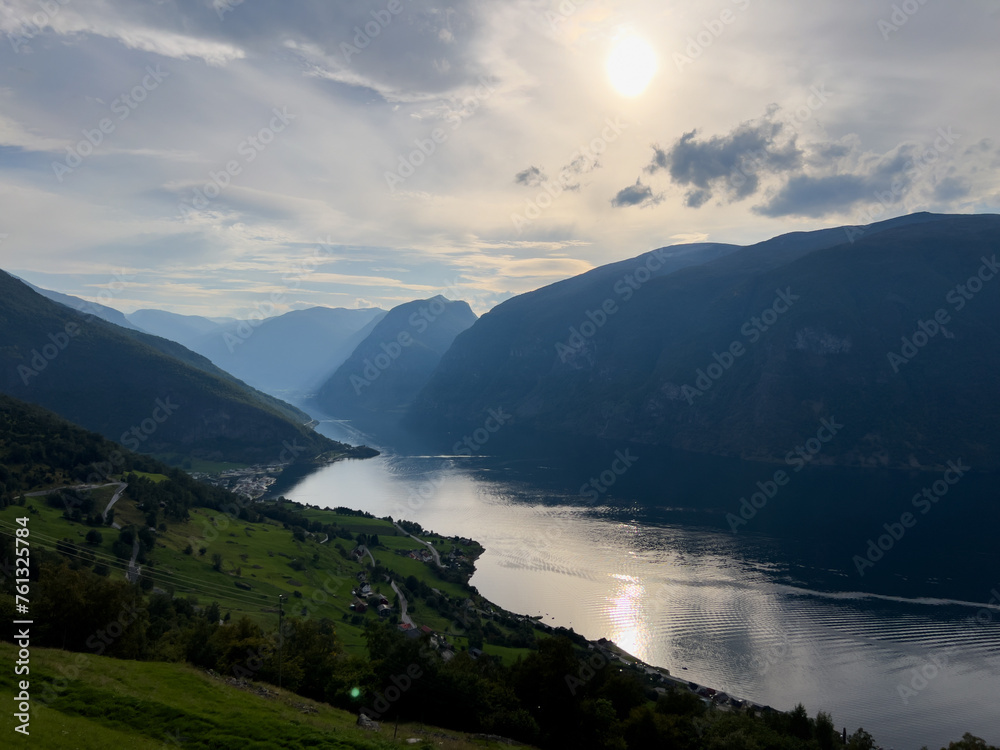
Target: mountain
{"x": 290, "y": 353}
{"x": 143, "y": 391}
{"x": 88, "y": 308}
{"x": 389, "y": 367}
{"x": 41, "y": 449}
{"x": 744, "y": 354}
{"x": 184, "y": 329}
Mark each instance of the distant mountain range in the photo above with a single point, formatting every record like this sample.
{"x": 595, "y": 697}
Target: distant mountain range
{"x": 393, "y": 362}
{"x": 87, "y": 308}
{"x": 889, "y": 330}
{"x": 290, "y": 354}
{"x": 148, "y": 393}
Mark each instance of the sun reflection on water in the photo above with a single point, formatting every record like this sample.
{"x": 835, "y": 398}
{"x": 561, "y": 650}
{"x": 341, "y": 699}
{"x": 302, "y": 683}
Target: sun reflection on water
{"x": 625, "y": 611}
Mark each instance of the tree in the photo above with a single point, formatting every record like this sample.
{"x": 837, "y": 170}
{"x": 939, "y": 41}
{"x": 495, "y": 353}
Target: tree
{"x": 217, "y": 562}
{"x": 826, "y": 732}
{"x": 799, "y": 724}
{"x": 94, "y": 537}
{"x": 971, "y": 742}
{"x": 861, "y": 740}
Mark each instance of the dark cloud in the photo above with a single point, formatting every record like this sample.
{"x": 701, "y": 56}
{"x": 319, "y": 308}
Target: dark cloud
{"x": 531, "y": 177}
{"x": 636, "y": 195}
{"x": 696, "y": 198}
{"x": 952, "y": 188}
{"x": 886, "y": 180}
{"x": 731, "y": 164}
{"x": 660, "y": 160}
{"x": 803, "y": 195}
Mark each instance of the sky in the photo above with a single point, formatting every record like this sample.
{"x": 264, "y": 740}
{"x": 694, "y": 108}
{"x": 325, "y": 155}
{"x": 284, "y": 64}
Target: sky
{"x": 221, "y": 157}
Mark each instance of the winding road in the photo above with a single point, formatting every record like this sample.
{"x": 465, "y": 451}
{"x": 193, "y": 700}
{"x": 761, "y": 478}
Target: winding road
{"x": 403, "y": 617}
{"x": 434, "y": 552}
{"x": 121, "y": 489}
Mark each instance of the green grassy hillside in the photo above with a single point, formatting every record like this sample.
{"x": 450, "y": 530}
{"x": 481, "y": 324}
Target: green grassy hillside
{"x": 96, "y": 703}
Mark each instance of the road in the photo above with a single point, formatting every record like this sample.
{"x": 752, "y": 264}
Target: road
{"x": 369, "y": 553}
{"x": 121, "y": 489}
{"x": 434, "y": 552}
{"x": 403, "y": 617}
{"x": 104, "y": 516}
{"x": 40, "y": 493}
{"x": 134, "y": 570}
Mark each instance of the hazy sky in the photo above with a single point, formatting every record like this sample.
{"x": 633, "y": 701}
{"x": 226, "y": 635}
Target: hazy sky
{"x": 474, "y": 149}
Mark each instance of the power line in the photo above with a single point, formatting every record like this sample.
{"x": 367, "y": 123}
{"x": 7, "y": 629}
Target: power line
{"x": 191, "y": 585}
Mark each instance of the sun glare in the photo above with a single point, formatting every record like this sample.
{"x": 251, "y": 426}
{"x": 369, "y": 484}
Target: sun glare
{"x": 631, "y": 66}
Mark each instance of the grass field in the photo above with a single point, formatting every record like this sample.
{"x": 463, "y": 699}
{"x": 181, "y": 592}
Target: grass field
{"x": 246, "y": 566}
{"x": 88, "y": 702}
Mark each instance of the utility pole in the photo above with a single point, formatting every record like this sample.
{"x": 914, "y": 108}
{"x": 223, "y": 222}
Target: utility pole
{"x": 281, "y": 638}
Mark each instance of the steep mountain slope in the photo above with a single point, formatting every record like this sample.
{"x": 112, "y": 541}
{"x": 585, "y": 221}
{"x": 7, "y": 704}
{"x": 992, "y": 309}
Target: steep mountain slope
{"x": 745, "y": 354}
{"x": 125, "y": 386}
{"x": 390, "y": 366}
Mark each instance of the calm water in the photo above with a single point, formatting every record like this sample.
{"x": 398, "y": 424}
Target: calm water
{"x": 776, "y": 613}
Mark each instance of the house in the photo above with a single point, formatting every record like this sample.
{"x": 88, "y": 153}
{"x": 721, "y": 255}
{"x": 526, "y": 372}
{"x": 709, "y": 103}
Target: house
{"x": 359, "y": 606}
{"x": 475, "y": 653}
{"x": 408, "y": 630}
{"x": 384, "y": 610}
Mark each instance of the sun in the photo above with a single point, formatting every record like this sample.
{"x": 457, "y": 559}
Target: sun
{"x": 631, "y": 66}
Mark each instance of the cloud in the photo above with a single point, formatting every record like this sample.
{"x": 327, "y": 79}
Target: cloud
{"x": 532, "y": 177}
{"x": 636, "y": 195}
{"x": 731, "y": 164}
{"x": 886, "y": 180}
